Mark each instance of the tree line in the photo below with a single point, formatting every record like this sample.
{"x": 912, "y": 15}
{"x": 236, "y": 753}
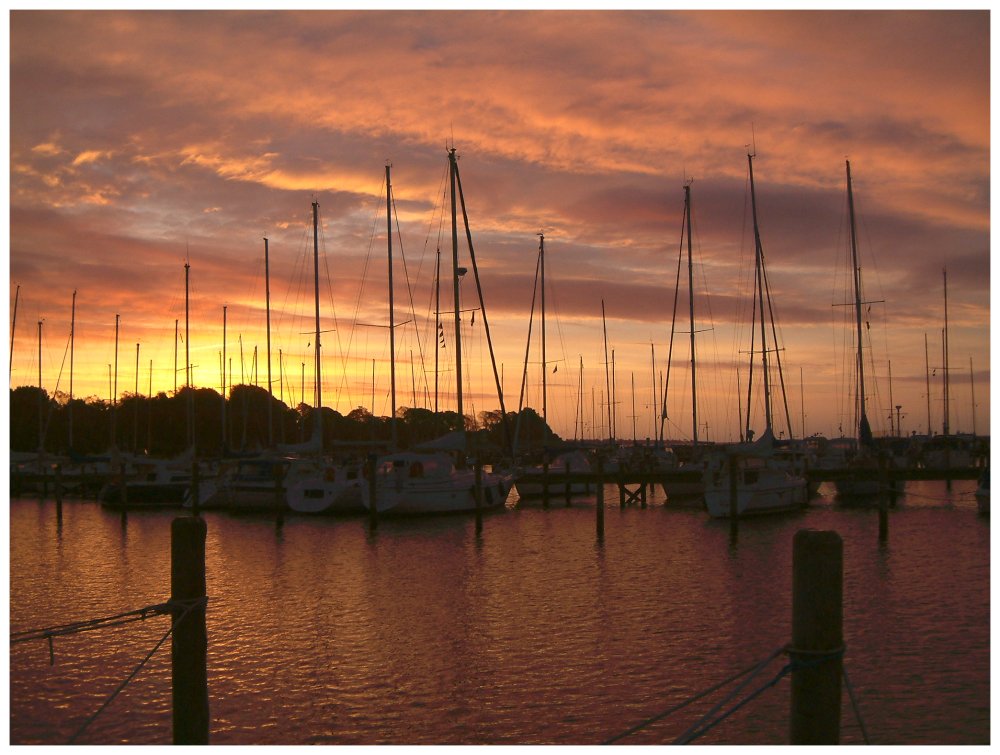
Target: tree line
{"x": 165, "y": 424}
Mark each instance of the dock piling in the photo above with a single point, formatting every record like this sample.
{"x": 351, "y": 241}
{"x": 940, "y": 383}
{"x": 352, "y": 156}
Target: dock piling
{"x": 817, "y": 637}
{"x": 189, "y": 642}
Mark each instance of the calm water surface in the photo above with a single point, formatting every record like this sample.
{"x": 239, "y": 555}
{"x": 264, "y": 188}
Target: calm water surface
{"x": 532, "y": 633}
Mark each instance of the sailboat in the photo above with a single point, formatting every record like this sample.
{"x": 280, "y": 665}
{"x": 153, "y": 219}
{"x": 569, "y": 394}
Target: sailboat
{"x": 675, "y": 490}
{"x": 439, "y": 480}
{"x": 946, "y": 451}
{"x": 864, "y": 454}
{"x": 530, "y": 482}
{"x": 763, "y": 482}
{"x": 261, "y": 483}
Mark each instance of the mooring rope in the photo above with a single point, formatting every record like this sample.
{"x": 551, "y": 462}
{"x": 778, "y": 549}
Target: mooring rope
{"x": 85, "y": 626}
{"x": 756, "y": 667}
{"x": 854, "y": 705}
{"x": 188, "y": 605}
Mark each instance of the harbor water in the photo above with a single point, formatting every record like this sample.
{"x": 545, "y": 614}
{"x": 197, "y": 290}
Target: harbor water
{"x": 532, "y": 632}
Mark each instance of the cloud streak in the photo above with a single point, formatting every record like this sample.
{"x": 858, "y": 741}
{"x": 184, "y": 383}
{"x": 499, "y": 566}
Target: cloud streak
{"x": 139, "y": 140}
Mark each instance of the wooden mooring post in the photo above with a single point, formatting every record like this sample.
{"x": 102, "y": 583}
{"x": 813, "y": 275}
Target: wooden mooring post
{"x": 189, "y": 641}
{"x": 817, "y": 637}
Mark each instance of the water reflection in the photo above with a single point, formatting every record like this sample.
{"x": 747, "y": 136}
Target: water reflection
{"x": 534, "y": 630}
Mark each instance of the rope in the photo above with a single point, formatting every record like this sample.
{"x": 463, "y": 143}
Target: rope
{"x": 756, "y": 667}
{"x": 854, "y": 705}
{"x": 687, "y": 737}
{"x": 189, "y": 605}
{"x": 85, "y": 626}
{"x": 693, "y": 731}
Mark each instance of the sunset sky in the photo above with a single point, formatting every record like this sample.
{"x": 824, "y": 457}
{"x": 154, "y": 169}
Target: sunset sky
{"x": 142, "y": 140}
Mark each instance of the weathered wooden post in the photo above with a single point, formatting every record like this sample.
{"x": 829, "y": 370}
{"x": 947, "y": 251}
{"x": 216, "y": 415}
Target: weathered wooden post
{"x": 734, "y": 505}
{"x": 817, "y": 637}
{"x": 479, "y": 497}
{"x": 195, "y": 489}
{"x": 545, "y": 482}
{"x": 370, "y": 466}
{"x": 279, "y": 498}
{"x": 58, "y": 485}
{"x": 189, "y": 642}
{"x": 600, "y": 500}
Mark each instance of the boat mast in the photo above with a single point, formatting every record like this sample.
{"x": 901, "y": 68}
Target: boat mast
{"x": 545, "y": 394}
{"x": 392, "y": 321}
{"x": 187, "y": 353}
{"x": 318, "y": 426}
{"x": 972, "y": 387}
{"x": 759, "y": 258}
{"x": 694, "y": 384}
{"x": 944, "y": 345}
{"x": 656, "y": 407}
{"x": 607, "y": 377}
{"x": 856, "y": 273}
{"x": 223, "y": 365}
{"x": 13, "y": 327}
{"x": 438, "y": 327}
{"x": 927, "y": 374}
{"x": 267, "y": 305}
{"x": 41, "y": 400}
{"x": 114, "y": 390}
{"x": 453, "y": 163}
{"x": 72, "y": 339}
{"x": 135, "y": 398}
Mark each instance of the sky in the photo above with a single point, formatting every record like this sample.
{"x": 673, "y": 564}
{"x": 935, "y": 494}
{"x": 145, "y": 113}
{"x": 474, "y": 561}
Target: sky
{"x": 143, "y": 141}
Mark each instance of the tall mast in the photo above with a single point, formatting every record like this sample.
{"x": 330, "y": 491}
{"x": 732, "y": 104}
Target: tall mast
{"x": 13, "y": 327}
{"x": 149, "y": 417}
{"x": 176, "y": 321}
{"x": 319, "y": 379}
{"x": 454, "y": 261}
{"x": 652, "y": 366}
{"x": 856, "y": 272}
{"x": 892, "y": 426}
{"x": 135, "y": 398}
{"x": 545, "y": 394}
{"x": 224, "y": 307}
{"x": 392, "y": 316}
{"x": 694, "y": 384}
{"x": 114, "y": 391}
{"x": 41, "y": 400}
{"x": 759, "y": 257}
{"x": 947, "y": 386}
{"x": 187, "y": 352}
{"x": 607, "y": 377}
{"x": 72, "y": 339}
{"x": 439, "y": 334}
{"x": 972, "y": 387}
{"x": 267, "y": 304}
{"x": 927, "y": 373}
